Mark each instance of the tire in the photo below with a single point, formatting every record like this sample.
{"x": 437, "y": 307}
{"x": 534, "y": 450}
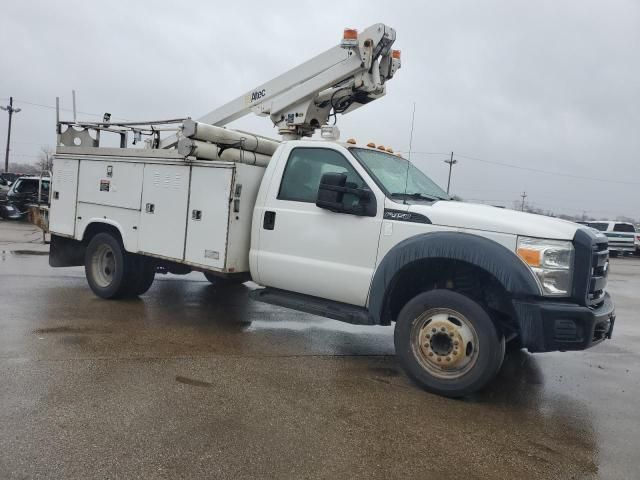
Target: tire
{"x": 223, "y": 281}
{"x": 447, "y": 343}
{"x": 110, "y": 271}
{"x": 514, "y": 345}
{"x": 145, "y": 273}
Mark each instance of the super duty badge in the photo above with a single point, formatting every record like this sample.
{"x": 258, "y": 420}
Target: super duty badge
{"x": 403, "y": 216}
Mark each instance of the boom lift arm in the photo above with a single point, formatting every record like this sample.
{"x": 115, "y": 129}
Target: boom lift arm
{"x": 298, "y": 102}
{"x": 339, "y": 80}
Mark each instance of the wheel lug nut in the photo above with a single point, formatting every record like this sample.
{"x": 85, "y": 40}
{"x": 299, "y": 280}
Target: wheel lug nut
{"x": 433, "y": 330}
{"x": 455, "y": 344}
{"x": 448, "y": 359}
{"x": 431, "y": 354}
{"x": 428, "y": 336}
{"x": 443, "y": 329}
{"x": 439, "y": 359}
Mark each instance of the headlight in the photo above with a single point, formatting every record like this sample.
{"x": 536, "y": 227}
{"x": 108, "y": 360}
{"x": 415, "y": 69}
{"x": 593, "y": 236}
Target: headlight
{"x": 551, "y": 261}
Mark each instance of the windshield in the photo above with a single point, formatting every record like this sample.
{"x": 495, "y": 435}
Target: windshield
{"x": 390, "y": 173}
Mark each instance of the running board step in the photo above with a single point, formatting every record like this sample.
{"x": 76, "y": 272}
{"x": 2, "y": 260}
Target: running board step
{"x": 314, "y": 305}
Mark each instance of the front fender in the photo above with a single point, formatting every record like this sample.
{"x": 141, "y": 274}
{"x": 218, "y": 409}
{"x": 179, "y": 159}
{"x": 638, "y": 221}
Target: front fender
{"x": 499, "y": 261}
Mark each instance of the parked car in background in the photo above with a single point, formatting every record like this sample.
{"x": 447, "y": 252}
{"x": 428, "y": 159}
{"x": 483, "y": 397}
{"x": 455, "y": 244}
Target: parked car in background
{"x": 25, "y": 191}
{"x": 6, "y": 211}
{"x": 4, "y": 188}
{"x": 9, "y": 177}
{"x": 623, "y": 238}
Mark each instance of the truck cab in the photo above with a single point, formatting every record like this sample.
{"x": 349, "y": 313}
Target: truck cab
{"x": 338, "y": 226}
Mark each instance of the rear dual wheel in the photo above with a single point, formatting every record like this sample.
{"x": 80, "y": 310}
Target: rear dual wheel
{"x": 447, "y": 343}
{"x": 112, "y": 272}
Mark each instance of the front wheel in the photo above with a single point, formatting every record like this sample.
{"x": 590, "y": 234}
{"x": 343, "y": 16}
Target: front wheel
{"x": 447, "y": 343}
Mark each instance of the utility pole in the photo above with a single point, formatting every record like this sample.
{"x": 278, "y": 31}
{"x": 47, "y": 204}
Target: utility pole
{"x": 451, "y": 163}
{"x": 9, "y": 108}
{"x": 524, "y": 195}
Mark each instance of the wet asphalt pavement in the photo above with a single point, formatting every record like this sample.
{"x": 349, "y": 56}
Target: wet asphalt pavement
{"x": 192, "y": 381}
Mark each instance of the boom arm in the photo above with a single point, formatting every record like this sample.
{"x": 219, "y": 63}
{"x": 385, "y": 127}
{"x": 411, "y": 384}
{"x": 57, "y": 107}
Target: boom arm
{"x": 341, "y": 79}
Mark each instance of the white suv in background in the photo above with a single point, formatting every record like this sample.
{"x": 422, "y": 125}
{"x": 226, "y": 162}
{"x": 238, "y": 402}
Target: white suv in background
{"x": 622, "y": 236}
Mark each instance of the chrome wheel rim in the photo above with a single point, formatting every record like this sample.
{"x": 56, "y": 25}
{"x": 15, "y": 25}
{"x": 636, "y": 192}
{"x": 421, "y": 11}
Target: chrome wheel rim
{"x": 445, "y": 343}
{"x": 104, "y": 266}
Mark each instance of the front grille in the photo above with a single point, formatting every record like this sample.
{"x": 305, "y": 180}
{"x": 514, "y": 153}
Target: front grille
{"x": 599, "y": 272}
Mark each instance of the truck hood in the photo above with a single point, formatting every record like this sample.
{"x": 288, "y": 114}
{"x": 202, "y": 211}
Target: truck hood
{"x": 473, "y": 216}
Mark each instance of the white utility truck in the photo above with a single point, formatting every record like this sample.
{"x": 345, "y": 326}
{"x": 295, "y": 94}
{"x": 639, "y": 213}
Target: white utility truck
{"x": 342, "y": 230}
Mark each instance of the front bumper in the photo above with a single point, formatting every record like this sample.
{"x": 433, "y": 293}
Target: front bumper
{"x": 547, "y": 326}
{"x": 622, "y": 248}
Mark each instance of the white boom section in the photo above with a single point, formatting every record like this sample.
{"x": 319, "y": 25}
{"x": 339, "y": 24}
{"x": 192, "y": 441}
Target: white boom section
{"x": 227, "y": 138}
{"x": 301, "y": 100}
{"x": 209, "y": 151}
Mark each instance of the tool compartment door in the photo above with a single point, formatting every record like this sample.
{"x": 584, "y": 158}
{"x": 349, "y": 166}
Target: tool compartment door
{"x": 208, "y": 216}
{"x": 63, "y": 194}
{"x": 165, "y": 193}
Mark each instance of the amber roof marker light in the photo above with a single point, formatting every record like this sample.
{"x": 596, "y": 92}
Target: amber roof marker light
{"x": 349, "y": 38}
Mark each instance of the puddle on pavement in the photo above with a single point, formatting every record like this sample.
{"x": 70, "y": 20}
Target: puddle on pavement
{"x": 193, "y": 382}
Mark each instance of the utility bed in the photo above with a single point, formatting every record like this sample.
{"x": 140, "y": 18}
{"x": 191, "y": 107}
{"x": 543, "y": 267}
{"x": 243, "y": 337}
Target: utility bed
{"x": 165, "y": 205}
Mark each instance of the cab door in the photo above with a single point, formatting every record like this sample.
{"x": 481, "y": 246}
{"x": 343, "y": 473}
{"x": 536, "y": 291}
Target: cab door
{"x": 311, "y": 250}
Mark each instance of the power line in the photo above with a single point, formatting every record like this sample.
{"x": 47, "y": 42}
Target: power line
{"x": 529, "y": 169}
{"x": 52, "y": 107}
{"x": 427, "y": 153}
{"x": 548, "y": 172}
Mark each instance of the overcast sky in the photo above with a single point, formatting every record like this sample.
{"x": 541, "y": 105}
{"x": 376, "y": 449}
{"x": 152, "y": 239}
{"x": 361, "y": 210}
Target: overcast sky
{"x": 548, "y": 86}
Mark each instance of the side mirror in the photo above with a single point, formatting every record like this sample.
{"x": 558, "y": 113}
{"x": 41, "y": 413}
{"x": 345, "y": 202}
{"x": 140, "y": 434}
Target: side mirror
{"x": 333, "y": 191}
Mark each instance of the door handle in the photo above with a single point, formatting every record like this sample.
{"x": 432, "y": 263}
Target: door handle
{"x": 269, "y": 222}
{"x": 196, "y": 215}
{"x": 150, "y": 208}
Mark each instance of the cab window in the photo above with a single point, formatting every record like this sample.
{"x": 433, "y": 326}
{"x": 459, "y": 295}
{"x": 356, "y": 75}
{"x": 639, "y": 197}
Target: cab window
{"x": 624, "y": 227}
{"x": 599, "y": 226}
{"x": 306, "y": 166}
{"x": 26, "y": 186}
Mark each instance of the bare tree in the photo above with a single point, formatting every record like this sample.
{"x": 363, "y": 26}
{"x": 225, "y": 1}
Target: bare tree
{"x": 45, "y": 158}
{"x": 26, "y": 168}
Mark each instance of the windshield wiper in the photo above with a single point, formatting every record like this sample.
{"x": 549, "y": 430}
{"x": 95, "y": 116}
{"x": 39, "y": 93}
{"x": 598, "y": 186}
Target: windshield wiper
{"x": 416, "y": 195}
